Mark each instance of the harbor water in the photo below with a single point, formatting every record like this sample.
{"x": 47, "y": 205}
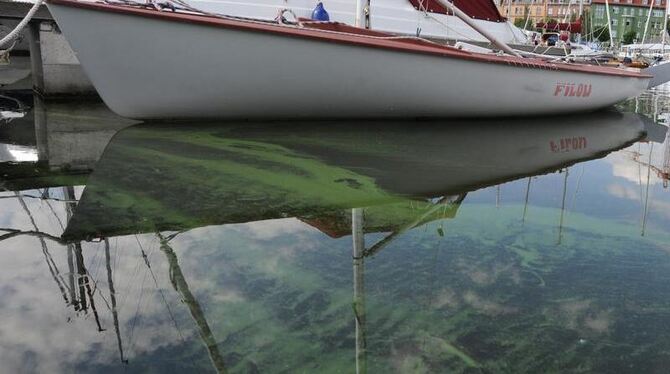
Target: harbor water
{"x": 534, "y": 245}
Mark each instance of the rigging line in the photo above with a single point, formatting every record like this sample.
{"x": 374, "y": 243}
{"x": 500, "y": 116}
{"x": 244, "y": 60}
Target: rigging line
{"x": 525, "y": 206}
{"x": 55, "y": 273}
{"x": 646, "y": 200}
{"x": 92, "y": 301}
{"x": 131, "y": 281}
{"x": 41, "y": 198}
{"x": 160, "y": 290}
{"x": 565, "y": 187}
{"x": 574, "y": 195}
{"x": 13, "y": 233}
{"x": 169, "y": 310}
{"x": 137, "y": 312}
{"x": 96, "y": 263}
{"x": 639, "y": 174}
{"x": 116, "y": 255}
{"x": 525, "y": 24}
{"x": 174, "y": 235}
{"x": 382, "y": 243}
{"x": 60, "y": 222}
{"x": 567, "y": 11}
{"x": 449, "y": 28}
{"x": 434, "y": 273}
{"x": 666, "y": 160}
{"x": 95, "y": 288}
{"x": 419, "y": 17}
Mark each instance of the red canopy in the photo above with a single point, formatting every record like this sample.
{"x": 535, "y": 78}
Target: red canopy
{"x": 575, "y": 27}
{"x": 478, "y": 9}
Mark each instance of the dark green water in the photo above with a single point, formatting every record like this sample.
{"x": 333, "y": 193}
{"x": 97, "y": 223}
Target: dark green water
{"x": 499, "y": 246}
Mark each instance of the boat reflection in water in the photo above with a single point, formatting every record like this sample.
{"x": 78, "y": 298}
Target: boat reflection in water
{"x": 174, "y": 177}
{"x": 375, "y": 181}
{"x": 260, "y": 226}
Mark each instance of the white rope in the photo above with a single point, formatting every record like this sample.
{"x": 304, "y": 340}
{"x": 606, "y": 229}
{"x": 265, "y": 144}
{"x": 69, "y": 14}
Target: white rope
{"x": 15, "y": 33}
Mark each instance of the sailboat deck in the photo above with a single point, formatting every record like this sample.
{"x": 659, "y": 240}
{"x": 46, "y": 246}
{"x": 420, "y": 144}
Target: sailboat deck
{"x": 344, "y": 34}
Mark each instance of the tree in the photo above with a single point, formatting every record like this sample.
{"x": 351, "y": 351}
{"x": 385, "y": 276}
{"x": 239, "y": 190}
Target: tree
{"x": 601, "y": 33}
{"x": 521, "y": 22}
{"x": 586, "y": 22}
{"x": 629, "y": 37}
{"x": 573, "y": 17}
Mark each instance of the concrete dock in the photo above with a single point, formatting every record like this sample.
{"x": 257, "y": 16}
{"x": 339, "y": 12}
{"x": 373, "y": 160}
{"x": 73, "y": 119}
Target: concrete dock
{"x": 43, "y": 60}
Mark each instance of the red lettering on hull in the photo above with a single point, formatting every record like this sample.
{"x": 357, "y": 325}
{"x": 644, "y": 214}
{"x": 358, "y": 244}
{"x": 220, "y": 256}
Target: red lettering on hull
{"x": 573, "y": 89}
{"x": 567, "y": 144}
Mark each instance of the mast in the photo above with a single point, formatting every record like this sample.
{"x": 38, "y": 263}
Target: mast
{"x": 359, "y": 287}
{"x": 665, "y": 28}
{"x": 581, "y": 21}
{"x": 362, "y": 15}
{"x": 525, "y": 205}
{"x": 68, "y": 194}
{"x": 84, "y": 282}
{"x": 665, "y": 172}
{"x": 560, "y": 224}
{"x": 498, "y": 196}
{"x": 112, "y": 296}
{"x": 646, "y": 25}
{"x": 609, "y": 22}
{"x": 179, "y": 283}
{"x": 646, "y": 198}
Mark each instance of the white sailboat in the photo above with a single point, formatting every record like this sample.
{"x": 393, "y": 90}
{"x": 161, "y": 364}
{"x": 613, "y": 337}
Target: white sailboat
{"x": 149, "y": 63}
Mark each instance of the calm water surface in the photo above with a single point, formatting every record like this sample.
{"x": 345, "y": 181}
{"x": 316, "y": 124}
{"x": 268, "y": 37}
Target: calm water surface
{"x": 501, "y": 246}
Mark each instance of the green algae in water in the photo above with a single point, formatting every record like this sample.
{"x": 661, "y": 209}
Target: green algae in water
{"x": 462, "y": 302}
{"x": 458, "y": 287}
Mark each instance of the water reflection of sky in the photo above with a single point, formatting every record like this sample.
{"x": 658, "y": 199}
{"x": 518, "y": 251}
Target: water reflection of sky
{"x": 564, "y": 283}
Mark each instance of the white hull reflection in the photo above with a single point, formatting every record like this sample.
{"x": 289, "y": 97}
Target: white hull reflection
{"x": 299, "y": 169}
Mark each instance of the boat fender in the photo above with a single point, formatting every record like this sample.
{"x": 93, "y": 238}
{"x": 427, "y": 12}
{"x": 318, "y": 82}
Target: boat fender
{"x": 319, "y": 13}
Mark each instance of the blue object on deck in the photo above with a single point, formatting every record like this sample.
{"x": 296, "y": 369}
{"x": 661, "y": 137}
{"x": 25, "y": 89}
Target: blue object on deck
{"x": 319, "y": 13}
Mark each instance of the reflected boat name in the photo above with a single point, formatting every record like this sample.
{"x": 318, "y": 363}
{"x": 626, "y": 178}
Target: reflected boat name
{"x": 568, "y": 144}
{"x": 573, "y": 89}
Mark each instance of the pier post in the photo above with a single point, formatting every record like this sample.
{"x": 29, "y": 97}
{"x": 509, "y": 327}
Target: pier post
{"x": 36, "y": 65}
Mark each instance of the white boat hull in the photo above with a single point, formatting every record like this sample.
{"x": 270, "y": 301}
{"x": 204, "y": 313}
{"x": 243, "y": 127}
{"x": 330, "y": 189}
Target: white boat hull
{"x": 153, "y": 68}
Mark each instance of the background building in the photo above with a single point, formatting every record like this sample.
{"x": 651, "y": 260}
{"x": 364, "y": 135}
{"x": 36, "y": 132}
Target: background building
{"x": 630, "y": 16}
{"x": 541, "y": 10}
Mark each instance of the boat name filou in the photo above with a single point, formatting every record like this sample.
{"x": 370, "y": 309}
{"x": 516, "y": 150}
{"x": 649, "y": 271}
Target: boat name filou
{"x": 568, "y": 144}
{"x": 573, "y": 89}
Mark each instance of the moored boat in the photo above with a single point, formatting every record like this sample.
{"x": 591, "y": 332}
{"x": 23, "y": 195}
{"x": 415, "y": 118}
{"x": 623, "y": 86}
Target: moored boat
{"x": 153, "y": 64}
